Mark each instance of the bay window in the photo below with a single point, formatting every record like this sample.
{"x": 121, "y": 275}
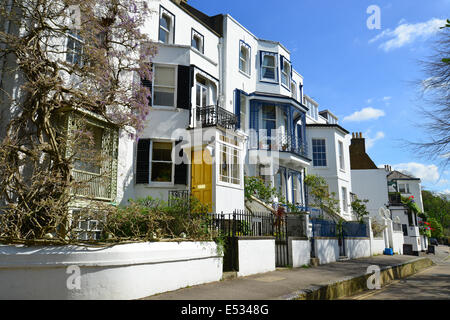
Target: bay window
{"x": 285, "y": 72}
{"x": 269, "y": 66}
{"x": 164, "y": 88}
{"x": 230, "y": 161}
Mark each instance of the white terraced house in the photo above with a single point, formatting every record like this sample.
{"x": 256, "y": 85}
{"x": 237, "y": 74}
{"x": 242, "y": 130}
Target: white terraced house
{"x": 224, "y": 104}
{"x": 330, "y": 154}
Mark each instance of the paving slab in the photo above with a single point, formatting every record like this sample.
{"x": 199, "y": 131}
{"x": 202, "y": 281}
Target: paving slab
{"x": 280, "y": 284}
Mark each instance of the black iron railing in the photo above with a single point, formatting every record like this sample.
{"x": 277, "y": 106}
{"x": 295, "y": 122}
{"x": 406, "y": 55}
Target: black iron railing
{"x": 281, "y": 143}
{"x": 212, "y": 116}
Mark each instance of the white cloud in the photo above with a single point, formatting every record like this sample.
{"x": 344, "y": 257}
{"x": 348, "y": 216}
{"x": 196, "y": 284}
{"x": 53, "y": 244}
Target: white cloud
{"x": 407, "y": 33}
{"x": 365, "y": 114}
{"x": 427, "y": 173}
{"x": 371, "y": 141}
{"x": 386, "y": 98}
{"x": 369, "y": 101}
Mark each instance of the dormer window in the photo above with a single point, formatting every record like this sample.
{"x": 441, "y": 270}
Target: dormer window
{"x": 285, "y": 72}
{"x": 197, "y": 41}
{"x": 166, "y": 26}
{"x": 269, "y": 66}
{"x": 244, "y": 58}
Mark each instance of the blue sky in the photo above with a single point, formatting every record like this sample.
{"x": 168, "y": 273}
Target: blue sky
{"x": 366, "y": 77}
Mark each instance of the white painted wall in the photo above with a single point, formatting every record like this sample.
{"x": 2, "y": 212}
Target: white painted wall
{"x": 256, "y": 256}
{"x": 327, "y": 250}
{"x": 357, "y": 247}
{"x": 371, "y": 185}
{"x": 378, "y": 246}
{"x": 300, "y": 252}
{"x": 398, "y": 242}
{"x": 129, "y": 271}
{"x": 333, "y": 174}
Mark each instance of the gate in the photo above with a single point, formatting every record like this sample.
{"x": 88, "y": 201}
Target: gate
{"x": 287, "y": 225}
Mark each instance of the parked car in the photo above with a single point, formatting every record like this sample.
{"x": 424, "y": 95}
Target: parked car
{"x": 434, "y": 242}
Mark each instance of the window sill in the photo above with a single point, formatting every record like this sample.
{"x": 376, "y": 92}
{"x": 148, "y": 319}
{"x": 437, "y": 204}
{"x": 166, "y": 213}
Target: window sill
{"x": 165, "y": 108}
{"x": 268, "y": 81}
{"x": 161, "y": 185}
{"x": 245, "y": 74}
{"x": 229, "y": 185}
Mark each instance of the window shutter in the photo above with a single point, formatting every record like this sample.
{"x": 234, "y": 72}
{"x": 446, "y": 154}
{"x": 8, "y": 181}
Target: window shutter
{"x": 143, "y": 162}
{"x": 184, "y": 87}
{"x": 237, "y": 111}
{"x": 181, "y": 170}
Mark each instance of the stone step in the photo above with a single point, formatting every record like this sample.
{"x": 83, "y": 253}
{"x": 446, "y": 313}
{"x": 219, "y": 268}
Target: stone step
{"x": 343, "y": 258}
{"x": 229, "y": 275}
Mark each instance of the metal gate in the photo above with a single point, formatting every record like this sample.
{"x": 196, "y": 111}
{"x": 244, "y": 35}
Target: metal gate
{"x": 281, "y": 241}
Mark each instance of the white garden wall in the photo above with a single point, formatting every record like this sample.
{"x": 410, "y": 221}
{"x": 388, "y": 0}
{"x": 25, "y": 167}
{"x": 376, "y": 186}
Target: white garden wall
{"x": 398, "y": 240}
{"x": 299, "y": 251}
{"x": 256, "y": 255}
{"x": 326, "y": 249}
{"x": 378, "y": 246}
{"x": 128, "y": 271}
{"x": 357, "y": 247}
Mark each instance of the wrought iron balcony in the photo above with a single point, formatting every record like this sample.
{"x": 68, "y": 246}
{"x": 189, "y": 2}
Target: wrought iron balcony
{"x": 281, "y": 143}
{"x": 212, "y": 116}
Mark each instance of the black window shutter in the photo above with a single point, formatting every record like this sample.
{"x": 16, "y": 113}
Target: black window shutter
{"x": 181, "y": 170}
{"x": 184, "y": 87}
{"x": 143, "y": 162}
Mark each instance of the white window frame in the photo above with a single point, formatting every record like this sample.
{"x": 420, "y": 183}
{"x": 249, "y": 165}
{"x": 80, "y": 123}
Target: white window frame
{"x": 229, "y": 155}
{"x": 312, "y": 153}
{"x": 275, "y": 67}
{"x": 175, "y": 87}
{"x": 75, "y": 38}
{"x": 170, "y": 32}
{"x": 294, "y": 90}
{"x": 243, "y": 45}
{"x": 195, "y": 33}
{"x": 341, "y": 155}
{"x": 286, "y": 69}
{"x": 406, "y": 188}
{"x": 161, "y": 183}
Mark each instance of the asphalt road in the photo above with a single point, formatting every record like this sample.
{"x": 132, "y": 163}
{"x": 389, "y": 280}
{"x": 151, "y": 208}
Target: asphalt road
{"x": 430, "y": 284}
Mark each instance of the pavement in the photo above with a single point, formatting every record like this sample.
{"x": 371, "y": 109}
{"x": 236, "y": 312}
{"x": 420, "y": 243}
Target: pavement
{"x": 282, "y": 283}
{"x": 429, "y": 284}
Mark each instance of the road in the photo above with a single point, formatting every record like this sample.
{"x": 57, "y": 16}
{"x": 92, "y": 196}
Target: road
{"x": 430, "y": 284}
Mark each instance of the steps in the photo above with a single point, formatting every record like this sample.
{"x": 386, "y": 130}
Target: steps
{"x": 343, "y": 258}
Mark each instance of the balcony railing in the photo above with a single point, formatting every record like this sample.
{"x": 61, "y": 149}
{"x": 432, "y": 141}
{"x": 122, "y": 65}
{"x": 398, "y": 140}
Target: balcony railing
{"x": 282, "y": 143}
{"x": 212, "y": 116}
{"x": 92, "y": 185}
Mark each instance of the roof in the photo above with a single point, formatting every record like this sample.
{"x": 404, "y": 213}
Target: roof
{"x": 326, "y": 125}
{"x": 397, "y": 175}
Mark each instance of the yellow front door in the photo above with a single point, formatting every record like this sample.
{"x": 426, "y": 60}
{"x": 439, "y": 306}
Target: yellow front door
{"x": 201, "y": 183}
